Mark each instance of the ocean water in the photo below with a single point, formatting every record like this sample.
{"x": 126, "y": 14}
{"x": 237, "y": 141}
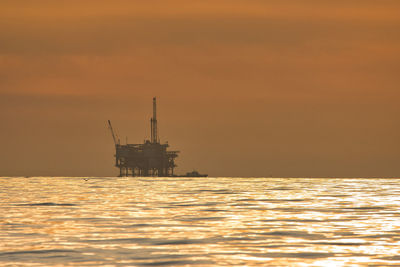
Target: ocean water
{"x": 62, "y": 221}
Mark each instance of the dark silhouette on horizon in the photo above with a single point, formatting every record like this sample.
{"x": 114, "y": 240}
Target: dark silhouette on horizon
{"x": 151, "y": 158}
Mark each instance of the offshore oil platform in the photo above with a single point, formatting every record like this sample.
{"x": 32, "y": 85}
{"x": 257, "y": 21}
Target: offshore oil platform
{"x": 152, "y": 158}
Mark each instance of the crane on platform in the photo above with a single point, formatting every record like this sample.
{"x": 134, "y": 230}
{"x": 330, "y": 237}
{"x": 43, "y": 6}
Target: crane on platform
{"x": 114, "y": 135}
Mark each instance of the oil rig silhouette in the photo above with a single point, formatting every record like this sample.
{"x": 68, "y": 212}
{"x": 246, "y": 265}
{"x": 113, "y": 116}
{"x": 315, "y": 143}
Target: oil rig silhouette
{"x": 151, "y": 158}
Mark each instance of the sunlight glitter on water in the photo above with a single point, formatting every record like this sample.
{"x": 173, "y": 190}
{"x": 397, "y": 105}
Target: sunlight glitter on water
{"x": 199, "y": 221}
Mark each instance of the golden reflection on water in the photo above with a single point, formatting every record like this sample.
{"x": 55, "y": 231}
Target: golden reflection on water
{"x": 200, "y": 221}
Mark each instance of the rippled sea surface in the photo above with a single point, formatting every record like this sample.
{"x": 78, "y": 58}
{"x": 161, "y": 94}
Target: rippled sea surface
{"x": 47, "y": 221}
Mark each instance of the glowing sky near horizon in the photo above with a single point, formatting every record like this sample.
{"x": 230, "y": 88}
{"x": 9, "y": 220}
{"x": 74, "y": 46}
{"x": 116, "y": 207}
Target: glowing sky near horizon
{"x": 245, "y": 87}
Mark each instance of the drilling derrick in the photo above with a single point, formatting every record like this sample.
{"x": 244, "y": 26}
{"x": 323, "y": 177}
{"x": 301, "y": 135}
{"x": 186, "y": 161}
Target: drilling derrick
{"x": 151, "y": 158}
{"x": 154, "y": 136}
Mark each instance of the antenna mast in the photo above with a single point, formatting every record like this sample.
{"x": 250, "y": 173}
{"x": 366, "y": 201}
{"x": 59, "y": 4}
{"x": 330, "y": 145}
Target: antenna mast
{"x": 154, "y": 136}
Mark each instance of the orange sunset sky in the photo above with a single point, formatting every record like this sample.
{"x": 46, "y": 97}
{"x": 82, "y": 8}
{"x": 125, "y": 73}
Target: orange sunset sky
{"x": 305, "y": 88}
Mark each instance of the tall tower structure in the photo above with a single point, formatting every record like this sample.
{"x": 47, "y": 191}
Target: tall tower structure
{"x": 154, "y": 134}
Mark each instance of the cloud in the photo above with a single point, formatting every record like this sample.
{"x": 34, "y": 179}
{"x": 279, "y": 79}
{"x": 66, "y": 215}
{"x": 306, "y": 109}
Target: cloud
{"x": 121, "y": 35}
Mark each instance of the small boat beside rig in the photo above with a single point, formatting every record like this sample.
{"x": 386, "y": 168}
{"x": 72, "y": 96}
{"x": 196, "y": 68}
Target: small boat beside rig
{"x": 193, "y": 174}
